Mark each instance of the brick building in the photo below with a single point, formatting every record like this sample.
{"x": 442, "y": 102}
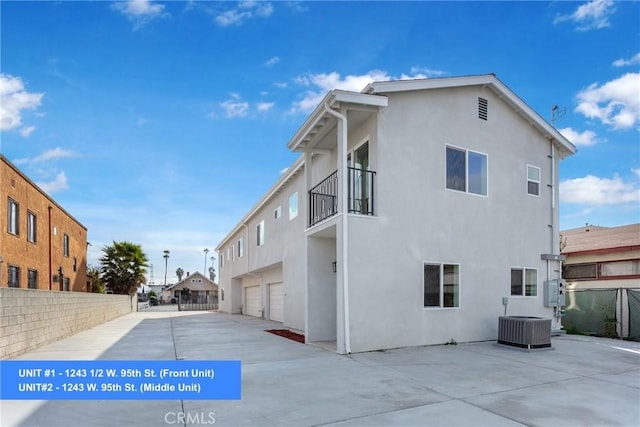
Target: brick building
{"x": 41, "y": 245}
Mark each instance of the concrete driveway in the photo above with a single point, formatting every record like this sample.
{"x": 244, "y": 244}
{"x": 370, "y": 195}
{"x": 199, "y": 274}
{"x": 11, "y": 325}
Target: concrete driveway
{"x": 582, "y": 381}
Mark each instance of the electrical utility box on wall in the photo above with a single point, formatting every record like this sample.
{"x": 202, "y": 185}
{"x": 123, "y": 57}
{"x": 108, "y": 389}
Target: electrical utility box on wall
{"x": 554, "y": 293}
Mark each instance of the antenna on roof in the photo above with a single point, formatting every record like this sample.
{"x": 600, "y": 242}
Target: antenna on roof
{"x": 557, "y": 113}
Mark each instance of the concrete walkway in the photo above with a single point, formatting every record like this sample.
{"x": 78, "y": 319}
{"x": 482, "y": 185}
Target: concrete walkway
{"x": 582, "y": 381}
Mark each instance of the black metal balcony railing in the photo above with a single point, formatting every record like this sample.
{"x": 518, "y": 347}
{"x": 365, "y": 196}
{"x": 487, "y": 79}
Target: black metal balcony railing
{"x": 361, "y": 191}
{"x": 323, "y": 198}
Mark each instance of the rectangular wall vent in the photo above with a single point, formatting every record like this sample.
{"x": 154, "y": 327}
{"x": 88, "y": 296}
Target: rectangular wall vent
{"x": 524, "y": 331}
{"x": 482, "y": 108}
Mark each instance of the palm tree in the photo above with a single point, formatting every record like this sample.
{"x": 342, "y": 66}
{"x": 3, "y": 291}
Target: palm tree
{"x": 179, "y": 273}
{"x": 123, "y": 267}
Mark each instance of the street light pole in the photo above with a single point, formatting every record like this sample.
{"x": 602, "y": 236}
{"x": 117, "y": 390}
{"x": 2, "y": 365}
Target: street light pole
{"x": 206, "y": 251}
{"x": 166, "y": 260}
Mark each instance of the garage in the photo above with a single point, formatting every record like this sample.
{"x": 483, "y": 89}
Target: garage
{"x": 253, "y": 301}
{"x": 276, "y": 303}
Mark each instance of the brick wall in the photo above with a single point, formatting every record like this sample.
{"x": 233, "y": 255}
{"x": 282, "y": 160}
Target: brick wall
{"x": 30, "y": 318}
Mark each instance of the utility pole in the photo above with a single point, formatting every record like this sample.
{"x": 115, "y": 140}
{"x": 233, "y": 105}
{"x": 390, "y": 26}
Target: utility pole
{"x": 166, "y": 260}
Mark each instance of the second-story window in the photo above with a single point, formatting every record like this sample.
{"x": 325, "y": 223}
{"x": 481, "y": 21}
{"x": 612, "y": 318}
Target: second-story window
{"x": 533, "y": 180}
{"x": 240, "y": 247}
{"x": 31, "y": 227}
{"x": 466, "y": 171}
{"x": 293, "y": 206}
{"x": 13, "y": 217}
{"x": 277, "y": 212}
{"x": 260, "y": 233}
{"x": 65, "y": 244}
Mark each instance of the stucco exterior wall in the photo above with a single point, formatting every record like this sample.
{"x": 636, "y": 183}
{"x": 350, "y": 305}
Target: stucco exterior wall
{"x": 30, "y": 318}
{"x": 419, "y": 221}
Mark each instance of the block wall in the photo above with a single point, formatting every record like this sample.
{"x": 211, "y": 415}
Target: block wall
{"x": 30, "y": 318}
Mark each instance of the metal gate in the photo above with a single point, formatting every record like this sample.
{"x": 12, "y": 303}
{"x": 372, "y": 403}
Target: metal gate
{"x": 188, "y": 302}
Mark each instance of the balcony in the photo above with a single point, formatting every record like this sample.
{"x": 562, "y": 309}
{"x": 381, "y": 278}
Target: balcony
{"x": 323, "y": 198}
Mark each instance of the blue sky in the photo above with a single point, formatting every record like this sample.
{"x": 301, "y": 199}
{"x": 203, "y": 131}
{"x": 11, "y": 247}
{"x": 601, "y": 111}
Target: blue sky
{"x": 162, "y": 123}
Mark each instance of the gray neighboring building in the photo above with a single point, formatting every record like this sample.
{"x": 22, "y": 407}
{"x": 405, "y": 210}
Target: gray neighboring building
{"x": 416, "y": 210}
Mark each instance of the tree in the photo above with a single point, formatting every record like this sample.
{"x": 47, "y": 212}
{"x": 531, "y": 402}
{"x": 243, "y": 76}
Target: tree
{"x": 179, "y": 273}
{"x": 123, "y": 267}
{"x": 96, "y": 283}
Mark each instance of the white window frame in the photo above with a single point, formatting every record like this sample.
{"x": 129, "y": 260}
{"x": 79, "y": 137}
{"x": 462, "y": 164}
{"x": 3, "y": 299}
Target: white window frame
{"x": 442, "y": 284}
{"x": 240, "y": 247}
{"x": 65, "y": 245}
{"x": 524, "y": 282}
{"x": 293, "y": 206}
{"x": 533, "y": 180}
{"x": 13, "y": 217}
{"x": 32, "y": 227}
{"x": 466, "y": 170}
{"x": 277, "y": 213}
{"x": 233, "y": 253}
{"x": 260, "y": 233}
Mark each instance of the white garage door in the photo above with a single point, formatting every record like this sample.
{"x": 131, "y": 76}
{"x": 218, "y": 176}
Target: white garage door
{"x": 253, "y": 301}
{"x": 276, "y": 302}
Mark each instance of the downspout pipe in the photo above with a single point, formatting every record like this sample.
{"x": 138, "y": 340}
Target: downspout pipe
{"x": 345, "y": 222}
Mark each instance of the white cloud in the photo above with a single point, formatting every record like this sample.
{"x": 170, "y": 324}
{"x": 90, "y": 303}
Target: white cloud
{"x": 583, "y": 139}
{"x": 272, "y": 61}
{"x": 235, "y": 109}
{"x": 635, "y": 59}
{"x": 593, "y": 190}
{"x": 14, "y": 100}
{"x": 322, "y": 83}
{"x": 55, "y": 153}
{"x": 26, "y": 131}
{"x": 264, "y": 106}
{"x": 636, "y": 171}
{"x": 59, "y": 183}
{"x": 245, "y": 10}
{"x": 592, "y": 15}
{"x": 615, "y": 103}
{"x": 141, "y": 12}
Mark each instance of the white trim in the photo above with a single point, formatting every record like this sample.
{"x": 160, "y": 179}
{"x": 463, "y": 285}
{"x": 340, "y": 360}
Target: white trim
{"x": 524, "y": 282}
{"x": 441, "y": 290}
{"x": 539, "y": 180}
{"x": 260, "y": 237}
{"x": 466, "y": 172}
{"x": 291, "y": 217}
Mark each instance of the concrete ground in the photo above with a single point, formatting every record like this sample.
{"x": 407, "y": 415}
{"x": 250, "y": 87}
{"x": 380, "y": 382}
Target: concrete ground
{"x": 582, "y": 381}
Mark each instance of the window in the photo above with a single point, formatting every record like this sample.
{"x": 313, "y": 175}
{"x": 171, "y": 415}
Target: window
{"x": 533, "y": 180}
{"x": 222, "y": 294}
{"x": 240, "y": 248}
{"x": 221, "y": 259}
{"x": 277, "y": 212}
{"x": 65, "y": 244}
{"x": 14, "y": 276}
{"x": 32, "y": 278}
{"x": 13, "y": 217}
{"x": 67, "y": 284}
{"x": 233, "y": 253}
{"x": 466, "y": 171}
{"x": 524, "y": 281}
{"x": 580, "y": 271}
{"x": 31, "y": 227}
{"x": 229, "y": 252}
{"x": 293, "y": 206}
{"x": 620, "y": 268}
{"x": 260, "y": 233}
{"x": 441, "y": 285}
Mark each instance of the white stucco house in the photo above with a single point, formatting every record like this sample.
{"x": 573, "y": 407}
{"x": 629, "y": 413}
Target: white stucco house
{"x": 416, "y": 210}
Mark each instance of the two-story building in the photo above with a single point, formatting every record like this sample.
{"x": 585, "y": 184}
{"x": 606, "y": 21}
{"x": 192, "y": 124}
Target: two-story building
{"x": 418, "y": 212}
{"x": 41, "y": 245}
